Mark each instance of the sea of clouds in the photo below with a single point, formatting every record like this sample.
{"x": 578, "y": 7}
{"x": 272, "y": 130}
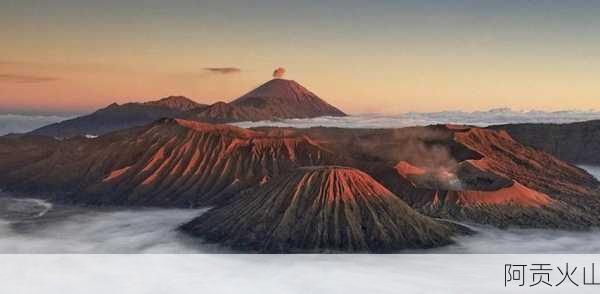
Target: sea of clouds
{"x": 35, "y": 226}
{"x": 84, "y": 230}
{"x": 477, "y": 118}
{"x": 21, "y": 123}
{"x": 71, "y": 230}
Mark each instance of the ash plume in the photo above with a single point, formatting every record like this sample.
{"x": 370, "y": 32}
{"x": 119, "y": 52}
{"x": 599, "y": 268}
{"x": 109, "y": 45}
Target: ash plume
{"x": 279, "y": 72}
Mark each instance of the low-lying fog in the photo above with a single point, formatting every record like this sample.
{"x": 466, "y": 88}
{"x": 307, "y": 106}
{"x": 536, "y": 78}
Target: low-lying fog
{"x": 35, "y": 226}
{"x": 81, "y": 230}
{"x": 20, "y": 123}
{"x": 476, "y": 118}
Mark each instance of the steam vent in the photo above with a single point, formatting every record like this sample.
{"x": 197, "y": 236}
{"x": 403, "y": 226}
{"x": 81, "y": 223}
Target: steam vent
{"x": 319, "y": 209}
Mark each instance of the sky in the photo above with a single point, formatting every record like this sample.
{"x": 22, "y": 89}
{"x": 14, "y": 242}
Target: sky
{"x": 362, "y": 56}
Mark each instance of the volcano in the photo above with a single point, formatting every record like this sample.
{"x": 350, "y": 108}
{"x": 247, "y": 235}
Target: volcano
{"x": 456, "y": 172}
{"x": 277, "y": 98}
{"x": 316, "y": 209}
{"x": 171, "y": 162}
{"x": 468, "y": 174}
{"x": 116, "y": 117}
{"x": 467, "y": 192}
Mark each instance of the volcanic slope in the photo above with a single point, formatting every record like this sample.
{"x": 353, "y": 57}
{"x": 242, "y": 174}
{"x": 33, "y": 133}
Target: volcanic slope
{"x": 168, "y": 163}
{"x": 117, "y": 117}
{"x": 316, "y": 209}
{"x": 277, "y": 98}
{"x": 466, "y": 173}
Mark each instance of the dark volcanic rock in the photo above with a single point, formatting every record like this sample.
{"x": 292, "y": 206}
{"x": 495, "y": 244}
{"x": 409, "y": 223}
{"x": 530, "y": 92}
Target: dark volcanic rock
{"x": 274, "y": 99}
{"x": 315, "y": 209}
{"x": 117, "y": 117}
{"x": 533, "y": 168}
{"x": 577, "y": 143}
{"x": 19, "y": 150}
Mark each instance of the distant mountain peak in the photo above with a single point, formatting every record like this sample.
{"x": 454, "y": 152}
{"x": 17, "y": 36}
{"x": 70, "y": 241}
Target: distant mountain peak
{"x": 281, "y": 98}
{"x": 176, "y": 102}
{"x": 275, "y": 99}
{"x": 277, "y": 88}
{"x": 120, "y": 116}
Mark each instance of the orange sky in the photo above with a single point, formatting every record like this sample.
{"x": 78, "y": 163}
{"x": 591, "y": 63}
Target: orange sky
{"x": 385, "y": 57}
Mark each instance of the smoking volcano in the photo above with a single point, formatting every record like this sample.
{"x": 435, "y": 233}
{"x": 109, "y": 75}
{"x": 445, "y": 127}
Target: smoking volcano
{"x": 277, "y": 98}
{"x": 456, "y": 172}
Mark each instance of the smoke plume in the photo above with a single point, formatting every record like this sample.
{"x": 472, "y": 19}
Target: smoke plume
{"x": 279, "y": 72}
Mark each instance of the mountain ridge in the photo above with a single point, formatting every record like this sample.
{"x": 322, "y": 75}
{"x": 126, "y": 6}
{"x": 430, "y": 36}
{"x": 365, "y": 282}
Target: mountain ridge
{"x": 120, "y": 116}
{"x": 170, "y": 162}
{"x": 277, "y": 98}
{"x": 182, "y": 163}
{"x": 181, "y": 103}
{"x": 575, "y": 142}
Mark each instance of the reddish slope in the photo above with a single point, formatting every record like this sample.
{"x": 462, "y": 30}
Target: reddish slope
{"x": 510, "y": 185}
{"x": 279, "y": 98}
{"x": 171, "y": 162}
{"x": 319, "y": 209}
{"x": 522, "y": 186}
{"x": 182, "y": 163}
{"x": 531, "y": 167}
{"x": 475, "y": 188}
{"x": 442, "y": 147}
{"x": 516, "y": 194}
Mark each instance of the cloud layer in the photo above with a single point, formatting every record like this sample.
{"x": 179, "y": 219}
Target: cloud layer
{"x": 35, "y": 226}
{"x": 478, "y": 118}
{"x": 19, "y": 123}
